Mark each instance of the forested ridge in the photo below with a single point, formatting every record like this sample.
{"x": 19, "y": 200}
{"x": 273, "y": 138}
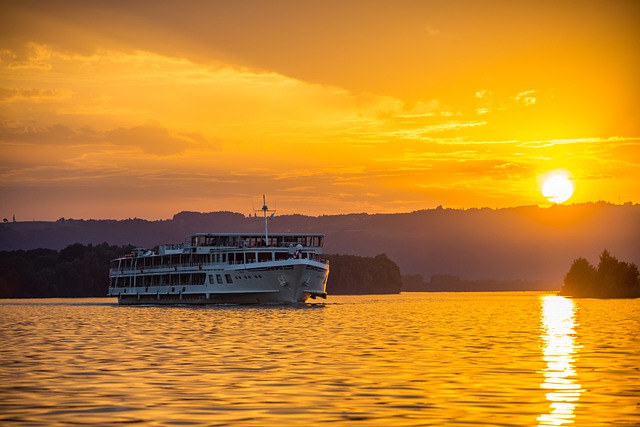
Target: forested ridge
{"x": 526, "y": 243}
{"x": 83, "y": 271}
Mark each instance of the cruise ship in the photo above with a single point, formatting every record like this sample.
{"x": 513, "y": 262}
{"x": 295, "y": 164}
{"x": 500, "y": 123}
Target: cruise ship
{"x": 224, "y": 268}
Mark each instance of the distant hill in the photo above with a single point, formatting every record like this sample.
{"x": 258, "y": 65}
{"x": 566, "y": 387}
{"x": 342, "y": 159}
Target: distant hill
{"x": 522, "y": 243}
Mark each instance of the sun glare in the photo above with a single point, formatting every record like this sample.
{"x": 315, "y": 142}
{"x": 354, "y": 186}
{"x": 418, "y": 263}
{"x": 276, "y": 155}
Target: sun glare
{"x": 557, "y": 188}
{"x": 560, "y": 352}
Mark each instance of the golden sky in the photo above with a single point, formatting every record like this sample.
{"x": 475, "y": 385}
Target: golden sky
{"x": 117, "y": 109}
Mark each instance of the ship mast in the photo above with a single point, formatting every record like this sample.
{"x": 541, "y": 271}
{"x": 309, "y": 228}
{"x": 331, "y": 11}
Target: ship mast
{"x": 265, "y": 210}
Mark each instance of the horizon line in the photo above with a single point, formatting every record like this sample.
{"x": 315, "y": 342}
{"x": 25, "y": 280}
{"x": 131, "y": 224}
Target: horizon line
{"x": 437, "y": 208}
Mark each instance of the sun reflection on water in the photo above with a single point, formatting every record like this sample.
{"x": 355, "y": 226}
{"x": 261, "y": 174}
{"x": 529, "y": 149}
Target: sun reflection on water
{"x": 560, "y": 377}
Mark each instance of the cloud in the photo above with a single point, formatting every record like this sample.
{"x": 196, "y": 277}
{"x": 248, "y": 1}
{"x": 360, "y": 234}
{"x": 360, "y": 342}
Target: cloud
{"x": 432, "y": 31}
{"x": 31, "y": 94}
{"x": 152, "y": 138}
{"x": 46, "y": 135}
{"x": 383, "y": 48}
{"x": 27, "y": 56}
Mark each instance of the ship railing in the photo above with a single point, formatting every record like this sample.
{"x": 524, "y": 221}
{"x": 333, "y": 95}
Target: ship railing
{"x": 115, "y": 271}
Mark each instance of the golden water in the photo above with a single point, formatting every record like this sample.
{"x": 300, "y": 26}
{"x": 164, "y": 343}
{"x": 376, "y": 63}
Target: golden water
{"x": 441, "y": 359}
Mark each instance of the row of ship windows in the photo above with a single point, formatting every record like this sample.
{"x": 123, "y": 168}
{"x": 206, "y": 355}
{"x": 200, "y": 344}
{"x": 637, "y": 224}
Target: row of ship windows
{"x": 176, "y": 280}
{"x": 200, "y": 259}
{"x": 256, "y": 241}
{"x": 229, "y": 280}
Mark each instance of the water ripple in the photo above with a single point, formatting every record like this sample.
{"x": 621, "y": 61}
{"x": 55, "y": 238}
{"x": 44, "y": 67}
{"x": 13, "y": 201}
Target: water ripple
{"x": 486, "y": 359}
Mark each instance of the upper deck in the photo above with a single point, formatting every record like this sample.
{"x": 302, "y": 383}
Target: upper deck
{"x": 215, "y": 242}
{"x": 256, "y": 240}
{"x": 233, "y": 248}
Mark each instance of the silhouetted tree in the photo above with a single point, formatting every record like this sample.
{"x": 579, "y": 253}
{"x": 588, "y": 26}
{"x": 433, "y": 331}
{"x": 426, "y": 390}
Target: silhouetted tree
{"x": 616, "y": 278}
{"x": 581, "y": 276}
{"x": 612, "y": 279}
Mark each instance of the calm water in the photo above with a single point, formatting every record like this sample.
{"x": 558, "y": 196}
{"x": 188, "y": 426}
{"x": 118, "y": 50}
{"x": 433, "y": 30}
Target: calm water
{"x": 442, "y": 359}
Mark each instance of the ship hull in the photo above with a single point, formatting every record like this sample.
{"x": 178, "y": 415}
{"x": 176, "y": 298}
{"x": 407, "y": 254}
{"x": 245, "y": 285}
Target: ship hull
{"x": 278, "y": 282}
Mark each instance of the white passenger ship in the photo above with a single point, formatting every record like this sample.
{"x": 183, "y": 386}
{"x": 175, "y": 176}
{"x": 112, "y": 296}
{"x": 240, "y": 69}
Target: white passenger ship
{"x": 224, "y": 268}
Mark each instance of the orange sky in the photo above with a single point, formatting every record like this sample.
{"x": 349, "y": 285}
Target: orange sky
{"x": 117, "y": 109}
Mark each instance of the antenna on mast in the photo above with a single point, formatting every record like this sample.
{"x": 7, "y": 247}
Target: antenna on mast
{"x": 265, "y": 210}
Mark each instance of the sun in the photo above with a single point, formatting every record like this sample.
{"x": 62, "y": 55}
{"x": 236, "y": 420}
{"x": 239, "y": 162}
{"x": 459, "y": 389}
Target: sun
{"x": 557, "y": 188}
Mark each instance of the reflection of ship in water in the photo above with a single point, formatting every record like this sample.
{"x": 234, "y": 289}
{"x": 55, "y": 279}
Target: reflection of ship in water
{"x": 560, "y": 376}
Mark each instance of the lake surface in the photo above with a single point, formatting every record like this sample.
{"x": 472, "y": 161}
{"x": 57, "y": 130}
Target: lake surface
{"x": 414, "y": 359}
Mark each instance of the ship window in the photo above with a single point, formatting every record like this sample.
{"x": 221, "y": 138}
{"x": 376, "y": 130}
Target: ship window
{"x": 264, "y": 256}
{"x": 219, "y": 279}
{"x": 281, "y": 255}
{"x": 228, "y": 277}
{"x": 211, "y": 279}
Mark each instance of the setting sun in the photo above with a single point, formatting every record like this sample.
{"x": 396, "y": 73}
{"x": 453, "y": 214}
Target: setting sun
{"x": 557, "y": 188}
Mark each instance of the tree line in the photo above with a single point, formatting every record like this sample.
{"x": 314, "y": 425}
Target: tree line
{"x": 356, "y": 275}
{"x": 452, "y": 283}
{"x": 83, "y": 271}
{"x": 610, "y": 279}
{"x": 75, "y": 271}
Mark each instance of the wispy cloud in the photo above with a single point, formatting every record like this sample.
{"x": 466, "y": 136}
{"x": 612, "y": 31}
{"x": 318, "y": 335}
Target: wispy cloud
{"x": 155, "y": 139}
{"x": 27, "y": 56}
{"x": 31, "y": 95}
